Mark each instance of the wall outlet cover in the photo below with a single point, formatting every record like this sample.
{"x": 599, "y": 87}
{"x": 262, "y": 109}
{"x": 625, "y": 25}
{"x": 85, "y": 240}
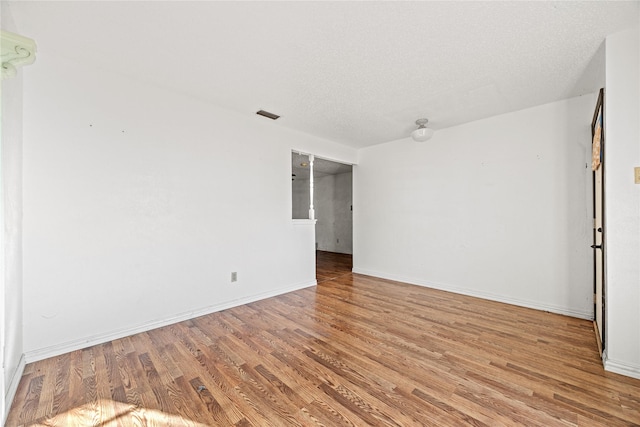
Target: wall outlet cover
{"x": 636, "y": 171}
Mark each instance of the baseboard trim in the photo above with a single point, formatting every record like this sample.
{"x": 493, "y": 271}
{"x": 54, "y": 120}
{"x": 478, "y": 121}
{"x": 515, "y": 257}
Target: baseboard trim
{"x": 58, "y": 349}
{"x": 478, "y": 294}
{"x": 621, "y": 368}
{"x": 13, "y": 386}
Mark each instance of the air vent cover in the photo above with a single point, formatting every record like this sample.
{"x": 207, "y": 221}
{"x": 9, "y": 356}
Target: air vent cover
{"x": 268, "y": 115}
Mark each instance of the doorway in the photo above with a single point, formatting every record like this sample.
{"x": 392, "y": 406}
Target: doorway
{"x": 331, "y": 184}
{"x": 597, "y": 166}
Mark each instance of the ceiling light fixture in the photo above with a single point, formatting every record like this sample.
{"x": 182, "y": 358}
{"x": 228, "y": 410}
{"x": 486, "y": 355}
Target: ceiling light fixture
{"x": 423, "y": 133}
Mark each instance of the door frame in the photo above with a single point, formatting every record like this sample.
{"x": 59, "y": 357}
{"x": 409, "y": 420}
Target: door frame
{"x": 601, "y": 338}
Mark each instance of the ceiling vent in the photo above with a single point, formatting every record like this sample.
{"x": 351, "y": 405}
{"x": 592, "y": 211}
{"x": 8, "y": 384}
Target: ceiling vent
{"x": 268, "y": 115}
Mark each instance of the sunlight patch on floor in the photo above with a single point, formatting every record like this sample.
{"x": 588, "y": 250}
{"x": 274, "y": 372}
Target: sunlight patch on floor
{"x": 108, "y": 413}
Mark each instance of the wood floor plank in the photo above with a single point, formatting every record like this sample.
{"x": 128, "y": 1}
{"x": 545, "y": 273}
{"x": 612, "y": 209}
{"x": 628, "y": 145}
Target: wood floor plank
{"x": 331, "y": 265}
{"x": 31, "y": 399}
{"x": 353, "y": 351}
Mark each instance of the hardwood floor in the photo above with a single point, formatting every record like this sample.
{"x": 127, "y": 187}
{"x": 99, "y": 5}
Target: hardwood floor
{"x": 331, "y": 265}
{"x": 353, "y": 351}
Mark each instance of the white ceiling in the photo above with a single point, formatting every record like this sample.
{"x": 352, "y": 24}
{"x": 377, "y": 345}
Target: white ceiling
{"x": 359, "y": 73}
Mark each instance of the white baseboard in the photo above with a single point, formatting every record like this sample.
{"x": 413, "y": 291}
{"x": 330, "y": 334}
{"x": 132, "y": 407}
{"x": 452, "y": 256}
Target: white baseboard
{"x": 13, "y": 386}
{"x": 58, "y": 349}
{"x": 621, "y": 368}
{"x": 479, "y": 294}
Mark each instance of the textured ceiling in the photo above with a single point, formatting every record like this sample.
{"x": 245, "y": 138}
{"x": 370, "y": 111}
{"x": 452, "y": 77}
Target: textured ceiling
{"x": 359, "y": 73}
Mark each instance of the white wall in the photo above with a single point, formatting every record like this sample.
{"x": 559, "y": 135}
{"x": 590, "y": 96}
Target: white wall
{"x": 499, "y": 208}
{"x": 11, "y": 244}
{"x": 622, "y": 208}
{"x": 323, "y": 195}
{"x": 343, "y": 214}
{"x": 140, "y": 202}
{"x": 300, "y": 199}
{"x": 333, "y": 199}
{"x": 12, "y": 229}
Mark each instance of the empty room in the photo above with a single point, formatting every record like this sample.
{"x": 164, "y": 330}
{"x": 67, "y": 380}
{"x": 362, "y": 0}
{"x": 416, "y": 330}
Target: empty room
{"x": 323, "y": 213}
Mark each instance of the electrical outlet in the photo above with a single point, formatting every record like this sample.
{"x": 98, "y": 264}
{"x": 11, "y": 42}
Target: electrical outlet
{"x": 637, "y": 174}
{"x": 234, "y": 276}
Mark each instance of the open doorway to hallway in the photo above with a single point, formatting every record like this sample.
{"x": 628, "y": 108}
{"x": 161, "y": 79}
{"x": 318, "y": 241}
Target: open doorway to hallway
{"x": 323, "y": 190}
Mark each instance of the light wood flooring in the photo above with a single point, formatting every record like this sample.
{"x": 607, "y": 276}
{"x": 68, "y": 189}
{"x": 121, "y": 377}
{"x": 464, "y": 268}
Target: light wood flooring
{"x": 353, "y": 351}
